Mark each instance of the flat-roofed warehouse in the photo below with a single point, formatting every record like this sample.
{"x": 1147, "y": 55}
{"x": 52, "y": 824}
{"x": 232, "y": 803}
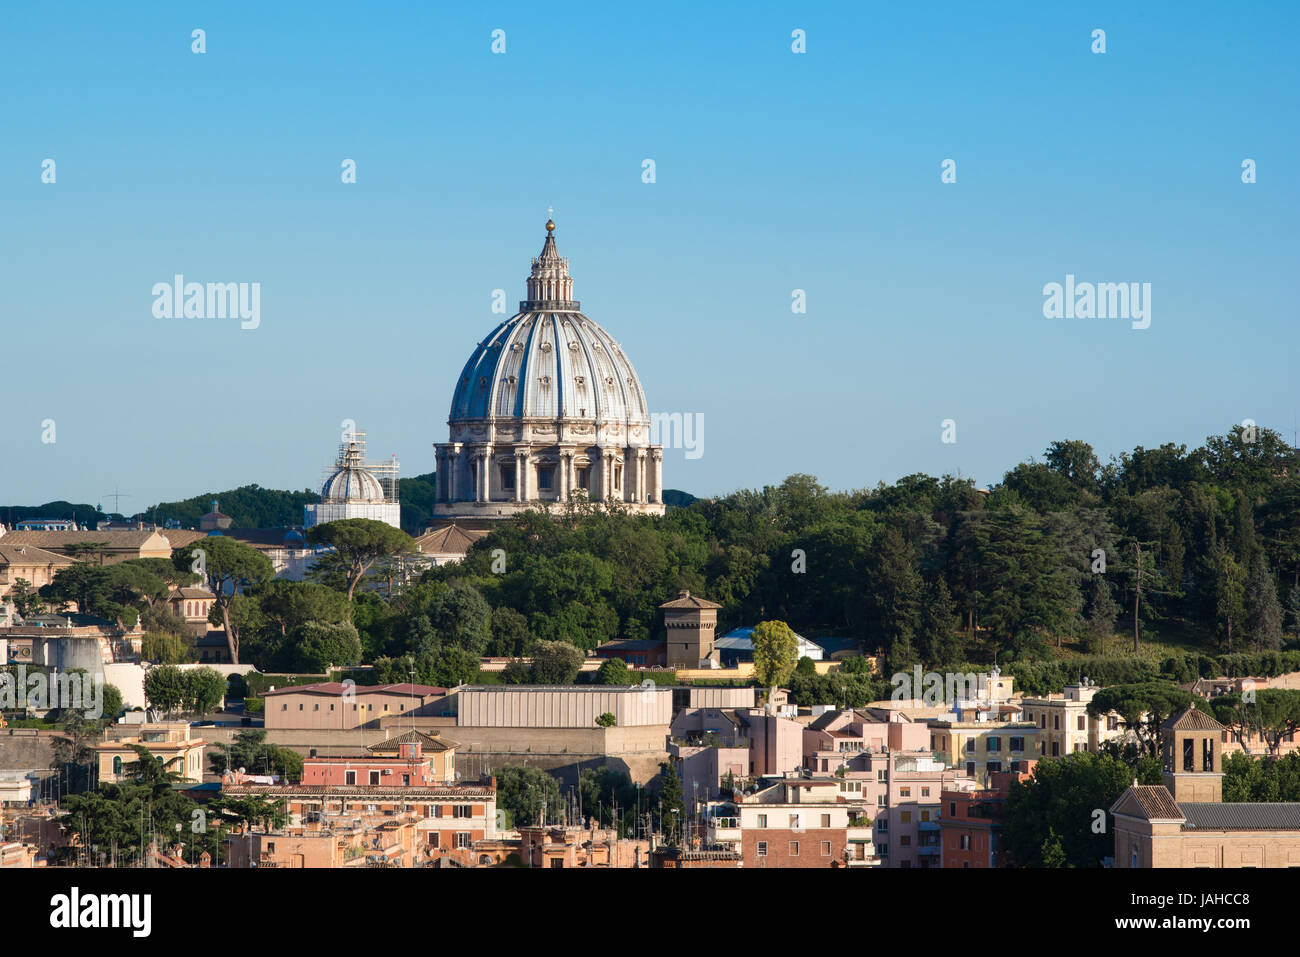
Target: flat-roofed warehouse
{"x": 561, "y": 706}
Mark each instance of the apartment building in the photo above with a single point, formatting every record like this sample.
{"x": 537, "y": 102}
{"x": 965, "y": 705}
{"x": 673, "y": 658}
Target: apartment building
{"x": 985, "y": 740}
{"x": 561, "y": 847}
{"x": 446, "y": 818}
{"x": 172, "y": 742}
{"x": 412, "y": 760}
{"x": 797, "y": 823}
{"x": 1064, "y": 724}
{"x": 836, "y": 733}
{"x": 971, "y": 824}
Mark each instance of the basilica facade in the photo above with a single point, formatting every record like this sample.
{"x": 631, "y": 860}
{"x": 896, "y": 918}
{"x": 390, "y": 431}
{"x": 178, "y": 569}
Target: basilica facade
{"x": 547, "y": 408}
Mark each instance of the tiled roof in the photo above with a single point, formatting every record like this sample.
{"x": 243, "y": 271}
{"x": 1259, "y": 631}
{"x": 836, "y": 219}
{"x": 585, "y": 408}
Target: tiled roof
{"x": 1156, "y": 801}
{"x": 449, "y": 540}
{"x": 116, "y": 538}
{"x": 1192, "y": 720}
{"x": 687, "y": 600}
{"x": 29, "y": 555}
{"x": 190, "y": 591}
{"x": 337, "y": 688}
{"x": 428, "y": 742}
{"x": 1241, "y": 817}
{"x": 180, "y": 537}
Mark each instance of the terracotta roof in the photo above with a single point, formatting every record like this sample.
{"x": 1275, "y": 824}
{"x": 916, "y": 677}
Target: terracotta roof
{"x": 337, "y": 688}
{"x": 190, "y": 591}
{"x": 118, "y": 538}
{"x": 19, "y": 554}
{"x": 685, "y": 599}
{"x": 449, "y": 540}
{"x": 1241, "y": 817}
{"x": 1192, "y": 720}
{"x": 180, "y": 537}
{"x": 428, "y": 742}
{"x": 1156, "y": 801}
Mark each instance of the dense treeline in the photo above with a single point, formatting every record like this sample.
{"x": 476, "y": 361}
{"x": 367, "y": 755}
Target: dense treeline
{"x": 249, "y": 506}
{"x": 1199, "y": 543}
{"x": 1200, "y": 546}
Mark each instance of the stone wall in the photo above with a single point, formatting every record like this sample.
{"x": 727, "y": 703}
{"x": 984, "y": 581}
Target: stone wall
{"x": 563, "y": 751}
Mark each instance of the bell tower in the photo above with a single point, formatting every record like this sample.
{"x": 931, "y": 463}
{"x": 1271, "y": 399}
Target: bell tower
{"x": 1192, "y": 757}
{"x": 690, "y": 622}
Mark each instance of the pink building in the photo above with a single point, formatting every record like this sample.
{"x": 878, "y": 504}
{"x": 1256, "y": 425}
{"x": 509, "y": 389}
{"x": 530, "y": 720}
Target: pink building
{"x": 775, "y": 743}
{"x": 412, "y": 760}
{"x": 836, "y": 733}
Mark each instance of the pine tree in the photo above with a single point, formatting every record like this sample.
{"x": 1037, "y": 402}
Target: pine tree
{"x": 1263, "y": 611}
{"x": 896, "y": 588}
{"x": 1229, "y": 595}
{"x": 1100, "y": 611}
{"x": 939, "y": 642}
{"x": 670, "y": 800}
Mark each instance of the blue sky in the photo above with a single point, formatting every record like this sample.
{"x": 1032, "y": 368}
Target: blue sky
{"x": 775, "y": 171}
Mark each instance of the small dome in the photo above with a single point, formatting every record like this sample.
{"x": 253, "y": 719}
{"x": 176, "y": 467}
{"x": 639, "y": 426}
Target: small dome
{"x": 294, "y": 538}
{"x": 351, "y": 482}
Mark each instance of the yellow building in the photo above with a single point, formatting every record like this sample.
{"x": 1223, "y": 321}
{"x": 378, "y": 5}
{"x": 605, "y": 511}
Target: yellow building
{"x": 1064, "y": 725}
{"x": 991, "y": 741}
{"x": 1184, "y": 822}
{"x": 34, "y": 565}
{"x": 169, "y": 741}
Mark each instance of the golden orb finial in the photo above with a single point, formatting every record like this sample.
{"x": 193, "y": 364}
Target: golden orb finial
{"x": 550, "y": 223}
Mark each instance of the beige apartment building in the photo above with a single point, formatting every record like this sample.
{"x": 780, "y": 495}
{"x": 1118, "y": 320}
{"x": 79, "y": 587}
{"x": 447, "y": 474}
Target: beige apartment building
{"x": 169, "y": 741}
{"x": 1064, "y": 725}
{"x": 982, "y": 742}
{"x": 1185, "y": 822}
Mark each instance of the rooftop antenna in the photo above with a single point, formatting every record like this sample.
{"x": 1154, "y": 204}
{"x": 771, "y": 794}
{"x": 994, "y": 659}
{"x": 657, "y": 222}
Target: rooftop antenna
{"x": 117, "y": 497}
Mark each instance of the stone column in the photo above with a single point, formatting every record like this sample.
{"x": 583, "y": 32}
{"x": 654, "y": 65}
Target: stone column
{"x": 521, "y": 475}
{"x": 657, "y": 483}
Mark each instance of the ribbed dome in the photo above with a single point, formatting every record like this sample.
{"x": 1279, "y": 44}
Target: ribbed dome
{"x": 351, "y": 482}
{"x": 547, "y": 408}
{"x": 550, "y": 365}
{"x": 549, "y": 361}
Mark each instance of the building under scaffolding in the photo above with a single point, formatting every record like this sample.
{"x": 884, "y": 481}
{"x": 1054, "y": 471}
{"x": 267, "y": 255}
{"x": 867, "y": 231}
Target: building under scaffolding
{"x": 355, "y": 488}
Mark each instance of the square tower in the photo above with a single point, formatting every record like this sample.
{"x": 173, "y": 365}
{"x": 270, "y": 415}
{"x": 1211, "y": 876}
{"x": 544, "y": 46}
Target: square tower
{"x": 1192, "y": 757}
{"x": 691, "y": 623}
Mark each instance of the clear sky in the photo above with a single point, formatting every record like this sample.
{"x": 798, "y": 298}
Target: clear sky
{"x": 775, "y": 171}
